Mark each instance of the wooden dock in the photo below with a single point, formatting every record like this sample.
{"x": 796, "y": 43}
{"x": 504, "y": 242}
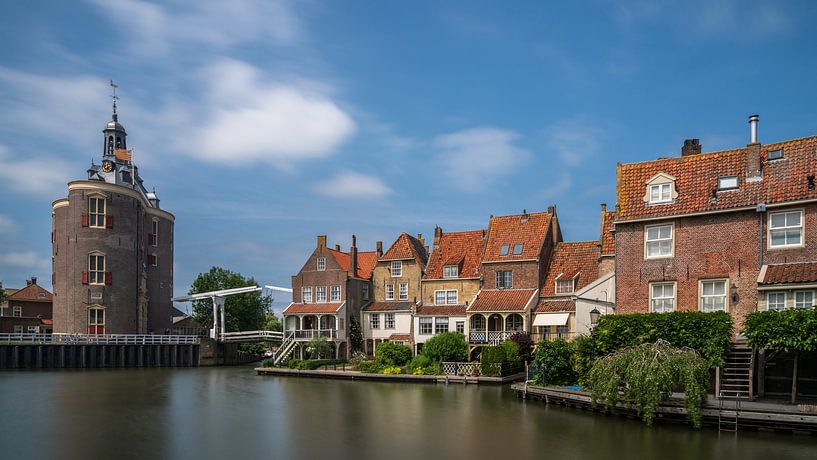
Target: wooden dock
{"x": 356, "y": 375}
{"x": 752, "y": 415}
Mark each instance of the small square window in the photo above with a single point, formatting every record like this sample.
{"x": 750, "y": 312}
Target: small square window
{"x": 450, "y": 271}
{"x": 564, "y": 286}
{"x": 727, "y": 182}
{"x": 776, "y": 154}
{"x": 517, "y": 249}
{"x": 503, "y": 250}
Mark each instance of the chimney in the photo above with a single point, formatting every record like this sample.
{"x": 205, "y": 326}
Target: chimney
{"x": 438, "y": 234}
{"x": 28, "y": 282}
{"x": 337, "y": 247}
{"x": 33, "y": 280}
{"x": 552, "y": 209}
{"x": 321, "y": 241}
{"x": 379, "y": 249}
{"x": 524, "y": 215}
{"x": 353, "y": 256}
{"x": 691, "y": 147}
{"x": 420, "y": 237}
{"x": 753, "y": 172}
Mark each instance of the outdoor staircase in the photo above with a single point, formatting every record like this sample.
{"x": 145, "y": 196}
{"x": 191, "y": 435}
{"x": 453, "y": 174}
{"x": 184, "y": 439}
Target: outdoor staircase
{"x": 285, "y": 350}
{"x": 736, "y": 375}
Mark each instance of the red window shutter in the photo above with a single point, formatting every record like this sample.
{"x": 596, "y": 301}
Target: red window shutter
{"x": 108, "y": 221}
{"x": 84, "y": 219}
{"x": 84, "y": 277}
{"x": 108, "y": 278}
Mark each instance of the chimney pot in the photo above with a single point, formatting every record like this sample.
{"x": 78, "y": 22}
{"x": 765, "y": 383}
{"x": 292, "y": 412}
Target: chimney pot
{"x": 753, "y": 120}
{"x": 33, "y": 280}
{"x": 379, "y": 248}
{"x": 321, "y": 241}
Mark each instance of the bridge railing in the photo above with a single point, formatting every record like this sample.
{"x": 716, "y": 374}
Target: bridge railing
{"x": 246, "y": 336}
{"x": 101, "y": 339}
{"x": 309, "y": 334}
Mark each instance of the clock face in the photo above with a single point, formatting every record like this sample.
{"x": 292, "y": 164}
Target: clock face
{"x": 107, "y": 166}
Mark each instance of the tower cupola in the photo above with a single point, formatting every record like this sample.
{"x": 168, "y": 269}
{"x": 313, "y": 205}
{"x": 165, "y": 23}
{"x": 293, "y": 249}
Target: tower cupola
{"x": 114, "y": 133}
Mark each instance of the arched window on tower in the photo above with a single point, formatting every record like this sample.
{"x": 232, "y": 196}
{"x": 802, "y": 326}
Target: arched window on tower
{"x": 110, "y": 145}
{"x": 118, "y": 142}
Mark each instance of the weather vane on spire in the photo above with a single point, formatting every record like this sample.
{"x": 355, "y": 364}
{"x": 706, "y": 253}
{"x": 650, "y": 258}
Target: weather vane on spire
{"x": 114, "y": 97}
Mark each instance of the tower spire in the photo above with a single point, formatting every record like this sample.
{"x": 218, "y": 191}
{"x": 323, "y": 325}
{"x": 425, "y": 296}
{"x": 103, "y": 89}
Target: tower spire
{"x": 115, "y": 98}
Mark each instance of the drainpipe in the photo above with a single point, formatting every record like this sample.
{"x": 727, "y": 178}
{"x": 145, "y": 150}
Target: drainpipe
{"x": 761, "y": 211}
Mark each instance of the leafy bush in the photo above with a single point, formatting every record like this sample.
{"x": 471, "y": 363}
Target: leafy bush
{"x": 448, "y": 346}
{"x": 392, "y": 353}
{"x": 584, "y": 355}
{"x": 357, "y": 357}
{"x": 392, "y": 370}
{"x": 787, "y": 330}
{"x": 707, "y": 333}
{"x": 312, "y": 364}
{"x": 491, "y": 358}
{"x": 266, "y": 363}
{"x": 418, "y": 362}
{"x": 370, "y": 367}
{"x": 554, "y": 359}
{"x": 318, "y": 348}
{"x": 646, "y": 374}
{"x": 524, "y": 344}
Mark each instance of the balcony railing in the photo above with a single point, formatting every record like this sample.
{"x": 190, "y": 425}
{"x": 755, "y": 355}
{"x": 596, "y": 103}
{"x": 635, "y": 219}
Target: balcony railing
{"x": 309, "y": 334}
{"x": 548, "y": 336}
{"x": 490, "y": 337}
{"x": 106, "y": 339}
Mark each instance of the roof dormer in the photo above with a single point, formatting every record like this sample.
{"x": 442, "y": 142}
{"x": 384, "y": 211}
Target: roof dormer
{"x": 661, "y": 189}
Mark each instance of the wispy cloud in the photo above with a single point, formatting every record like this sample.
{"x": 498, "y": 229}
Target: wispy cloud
{"x": 26, "y": 260}
{"x": 473, "y": 158}
{"x": 574, "y": 140}
{"x": 7, "y": 226}
{"x": 350, "y": 184}
{"x": 44, "y": 176}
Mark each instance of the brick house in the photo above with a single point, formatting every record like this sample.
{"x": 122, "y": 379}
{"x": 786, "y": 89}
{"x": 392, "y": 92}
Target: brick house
{"x": 27, "y": 310}
{"x": 513, "y": 266}
{"x": 396, "y": 280}
{"x": 731, "y": 230}
{"x": 327, "y": 294}
{"x": 451, "y": 282}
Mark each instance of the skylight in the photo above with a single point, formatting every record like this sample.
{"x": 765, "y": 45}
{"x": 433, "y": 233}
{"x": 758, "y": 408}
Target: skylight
{"x": 776, "y": 154}
{"x": 727, "y": 182}
{"x": 517, "y": 249}
{"x": 503, "y": 250}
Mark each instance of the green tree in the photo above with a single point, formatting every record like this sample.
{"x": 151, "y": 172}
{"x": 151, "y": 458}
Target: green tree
{"x": 554, "y": 360}
{"x": 355, "y": 334}
{"x": 243, "y": 312}
{"x": 273, "y": 323}
{"x": 448, "y": 346}
{"x": 318, "y": 348}
{"x": 393, "y": 354}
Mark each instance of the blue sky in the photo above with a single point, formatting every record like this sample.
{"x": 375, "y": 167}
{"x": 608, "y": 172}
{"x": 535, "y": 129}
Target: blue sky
{"x": 264, "y": 123}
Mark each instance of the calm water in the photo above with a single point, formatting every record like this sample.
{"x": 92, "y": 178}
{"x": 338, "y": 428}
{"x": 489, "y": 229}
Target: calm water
{"x": 230, "y": 413}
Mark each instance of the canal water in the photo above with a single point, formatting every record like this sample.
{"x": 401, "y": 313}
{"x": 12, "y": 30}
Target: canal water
{"x": 231, "y": 413}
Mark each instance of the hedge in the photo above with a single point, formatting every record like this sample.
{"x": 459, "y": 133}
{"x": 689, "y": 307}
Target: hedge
{"x": 787, "y": 330}
{"x": 708, "y": 333}
{"x": 448, "y": 346}
{"x": 555, "y": 360}
{"x": 392, "y": 353}
{"x": 312, "y": 364}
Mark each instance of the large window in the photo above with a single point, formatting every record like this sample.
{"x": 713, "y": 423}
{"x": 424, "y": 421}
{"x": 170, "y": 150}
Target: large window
{"x": 440, "y": 324}
{"x": 658, "y": 240}
{"x": 713, "y": 295}
{"x": 785, "y": 229}
{"x": 660, "y": 193}
{"x": 306, "y": 294}
{"x": 96, "y": 269}
{"x": 662, "y": 297}
{"x": 504, "y": 279}
{"x": 564, "y": 286}
{"x": 389, "y": 322}
{"x": 320, "y": 294}
{"x": 396, "y": 268}
{"x": 335, "y": 293}
{"x": 446, "y": 297}
{"x": 776, "y": 300}
{"x": 426, "y": 325}
{"x": 96, "y": 212}
{"x": 513, "y": 322}
{"x": 374, "y": 321}
{"x": 321, "y": 264}
{"x": 803, "y": 299}
{"x": 17, "y": 311}
{"x": 450, "y": 271}
{"x": 96, "y": 320}
{"x": 460, "y": 327}
{"x": 389, "y": 292}
{"x": 403, "y": 291}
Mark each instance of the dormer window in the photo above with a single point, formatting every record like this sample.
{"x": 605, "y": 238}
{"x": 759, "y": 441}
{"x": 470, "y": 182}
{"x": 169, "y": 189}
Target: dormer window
{"x": 450, "y": 271}
{"x": 503, "y": 250}
{"x": 564, "y": 286}
{"x": 517, "y": 249}
{"x": 775, "y": 154}
{"x": 660, "y": 193}
{"x": 321, "y": 264}
{"x": 727, "y": 182}
{"x": 660, "y": 189}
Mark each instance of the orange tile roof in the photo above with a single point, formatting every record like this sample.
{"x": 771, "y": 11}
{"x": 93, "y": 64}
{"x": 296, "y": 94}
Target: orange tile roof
{"x": 528, "y": 229}
{"x": 400, "y": 337}
{"x": 573, "y": 260}
{"x": 300, "y": 308}
{"x": 389, "y": 306}
{"x": 555, "y": 305}
{"x": 457, "y": 248}
{"x": 31, "y": 293}
{"x": 441, "y": 310}
{"x": 490, "y": 300}
{"x": 406, "y": 247}
{"x": 697, "y": 178}
{"x": 802, "y": 272}
{"x": 366, "y": 260}
{"x": 608, "y": 234}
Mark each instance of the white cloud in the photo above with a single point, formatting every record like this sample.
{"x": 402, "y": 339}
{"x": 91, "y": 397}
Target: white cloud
{"x": 27, "y": 260}
{"x": 350, "y": 184}
{"x": 574, "y": 141}
{"x": 155, "y": 29}
{"x": 41, "y": 175}
{"x": 474, "y": 157}
{"x": 7, "y": 226}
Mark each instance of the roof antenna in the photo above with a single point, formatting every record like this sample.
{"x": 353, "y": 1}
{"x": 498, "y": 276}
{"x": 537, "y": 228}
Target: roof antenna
{"x": 115, "y": 98}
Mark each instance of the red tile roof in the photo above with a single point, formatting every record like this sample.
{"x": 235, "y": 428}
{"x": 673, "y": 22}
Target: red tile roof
{"x": 400, "y": 337}
{"x": 366, "y": 260}
{"x": 406, "y": 247}
{"x": 502, "y": 300}
{"x": 32, "y": 293}
{"x": 555, "y": 305}
{"x": 608, "y": 234}
{"x": 389, "y": 306}
{"x": 300, "y": 308}
{"x": 441, "y": 310}
{"x": 47, "y": 322}
{"x": 528, "y": 229}
{"x": 457, "y": 248}
{"x": 574, "y": 260}
{"x": 697, "y": 177}
{"x": 803, "y": 272}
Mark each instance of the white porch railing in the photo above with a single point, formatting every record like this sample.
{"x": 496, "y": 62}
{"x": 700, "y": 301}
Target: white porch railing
{"x": 102, "y": 339}
{"x": 309, "y": 334}
{"x": 490, "y": 337}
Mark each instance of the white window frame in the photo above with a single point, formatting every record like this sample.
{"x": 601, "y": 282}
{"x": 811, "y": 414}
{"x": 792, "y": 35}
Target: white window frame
{"x": 769, "y": 294}
{"x": 729, "y": 179}
{"x": 390, "y": 292}
{"x": 451, "y": 271}
{"x": 320, "y": 294}
{"x": 663, "y": 297}
{"x": 374, "y": 321}
{"x": 154, "y": 226}
{"x": 320, "y": 264}
{"x": 306, "y": 294}
{"x": 660, "y": 188}
{"x": 562, "y": 290}
{"x": 439, "y": 297}
{"x": 460, "y": 327}
{"x": 811, "y": 304}
{"x": 97, "y": 275}
{"x": 334, "y": 293}
{"x": 18, "y": 329}
{"x": 388, "y": 321}
{"x": 452, "y": 300}
{"x": 402, "y": 292}
{"x": 16, "y": 311}
{"x": 426, "y": 321}
{"x": 510, "y": 286}
{"x": 438, "y": 321}
{"x": 786, "y": 227}
{"x": 702, "y": 297}
{"x": 647, "y": 241}
{"x": 155, "y": 262}
{"x": 396, "y": 268}
{"x": 96, "y": 219}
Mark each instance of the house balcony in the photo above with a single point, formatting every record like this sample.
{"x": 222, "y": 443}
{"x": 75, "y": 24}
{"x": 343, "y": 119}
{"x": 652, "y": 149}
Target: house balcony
{"x": 489, "y": 337}
{"x": 305, "y": 335}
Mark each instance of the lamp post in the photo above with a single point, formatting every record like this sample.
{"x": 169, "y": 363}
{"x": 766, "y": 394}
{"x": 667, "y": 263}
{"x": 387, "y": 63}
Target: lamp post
{"x": 595, "y": 314}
